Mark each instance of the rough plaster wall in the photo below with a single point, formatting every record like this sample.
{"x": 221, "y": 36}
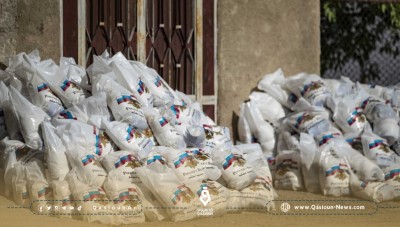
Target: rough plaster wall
{"x": 8, "y": 32}
{"x": 38, "y": 24}
{"x": 256, "y": 37}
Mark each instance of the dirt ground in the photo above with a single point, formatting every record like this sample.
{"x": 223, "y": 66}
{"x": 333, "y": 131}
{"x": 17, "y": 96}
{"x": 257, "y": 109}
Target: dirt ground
{"x": 383, "y": 214}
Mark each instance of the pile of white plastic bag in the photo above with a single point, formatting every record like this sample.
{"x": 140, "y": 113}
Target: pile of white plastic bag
{"x": 333, "y": 137}
{"x": 118, "y": 145}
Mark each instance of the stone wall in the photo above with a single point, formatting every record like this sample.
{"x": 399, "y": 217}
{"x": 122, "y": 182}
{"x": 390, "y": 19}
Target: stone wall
{"x": 255, "y": 37}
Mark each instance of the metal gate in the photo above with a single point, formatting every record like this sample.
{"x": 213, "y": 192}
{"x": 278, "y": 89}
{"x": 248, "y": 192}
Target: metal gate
{"x": 175, "y": 37}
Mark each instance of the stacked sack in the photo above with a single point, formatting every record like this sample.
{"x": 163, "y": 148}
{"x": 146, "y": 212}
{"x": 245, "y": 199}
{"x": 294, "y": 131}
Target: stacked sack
{"x": 116, "y": 143}
{"x": 327, "y": 136}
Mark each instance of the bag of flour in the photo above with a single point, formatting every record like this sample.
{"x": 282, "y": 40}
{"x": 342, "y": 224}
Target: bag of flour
{"x": 67, "y": 91}
{"x": 91, "y": 110}
{"x": 261, "y": 129}
{"x": 334, "y": 175}
{"x": 259, "y": 195}
{"x": 128, "y": 77}
{"x": 39, "y": 91}
{"x": 206, "y": 164}
{"x": 54, "y": 154}
{"x": 185, "y": 115}
{"x": 217, "y": 137}
{"x": 177, "y": 198}
{"x": 365, "y": 169}
{"x": 377, "y": 149}
{"x": 214, "y": 193}
{"x": 158, "y": 87}
{"x": 123, "y": 164}
{"x": 74, "y": 72}
{"x": 75, "y": 133}
{"x": 255, "y": 158}
{"x": 236, "y": 203}
{"x": 325, "y": 137}
{"x": 311, "y": 88}
{"x": 62, "y": 198}
{"x": 87, "y": 166}
{"x": 270, "y": 109}
{"x": 237, "y": 173}
{"x": 130, "y": 138}
{"x": 10, "y": 118}
{"x": 349, "y": 116}
{"x": 288, "y": 173}
{"x": 243, "y": 127}
{"x": 124, "y": 106}
{"x": 392, "y": 177}
{"x": 186, "y": 167}
{"x": 89, "y": 199}
{"x": 15, "y": 178}
{"x": 124, "y": 194}
{"x": 153, "y": 210}
{"x": 164, "y": 132}
{"x": 375, "y": 191}
{"x": 272, "y": 84}
{"x": 29, "y": 118}
{"x": 308, "y": 119}
{"x": 354, "y": 140}
{"x": 182, "y": 99}
{"x": 310, "y": 157}
{"x": 40, "y": 192}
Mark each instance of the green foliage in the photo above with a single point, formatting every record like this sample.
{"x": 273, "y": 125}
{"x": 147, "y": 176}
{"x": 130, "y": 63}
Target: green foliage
{"x": 351, "y": 31}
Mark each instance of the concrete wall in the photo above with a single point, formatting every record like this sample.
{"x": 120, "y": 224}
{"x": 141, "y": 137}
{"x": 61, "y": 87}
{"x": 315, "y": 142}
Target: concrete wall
{"x": 30, "y": 24}
{"x": 256, "y": 37}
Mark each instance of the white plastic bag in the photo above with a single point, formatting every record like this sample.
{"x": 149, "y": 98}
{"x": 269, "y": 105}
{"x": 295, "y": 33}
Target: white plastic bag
{"x": 124, "y": 106}
{"x": 217, "y": 137}
{"x": 272, "y": 84}
{"x": 67, "y": 91}
{"x": 39, "y": 190}
{"x": 288, "y": 171}
{"x": 88, "y": 199}
{"x": 349, "y": 116}
{"x": 261, "y": 129}
{"x": 155, "y": 83}
{"x": 74, "y": 72}
{"x": 124, "y": 194}
{"x": 55, "y": 157}
{"x": 90, "y": 110}
{"x": 237, "y": 173}
{"x": 87, "y": 167}
{"x": 62, "y": 198}
{"x": 186, "y": 167}
{"x": 164, "y": 132}
{"x": 3, "y": 100}
{"x": 377, "y": 149}
{"x": 217, "y": 193}
{"x": 270, "y": 109}
{"x": 29, "y": 118}
{"x": 128, "y": 77}
{"x": 334, "y": 175}
{"x": 25, "y": 68}
{"x": 130, "y": 138}
{"x": 310, "y": 157}
{"x": 123, "y": 164}
{"x": 375, "y": 191}
{"x": 211, "y": 171}
{"x": 179, "y": 200}
{"x": 75, "y": 133}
